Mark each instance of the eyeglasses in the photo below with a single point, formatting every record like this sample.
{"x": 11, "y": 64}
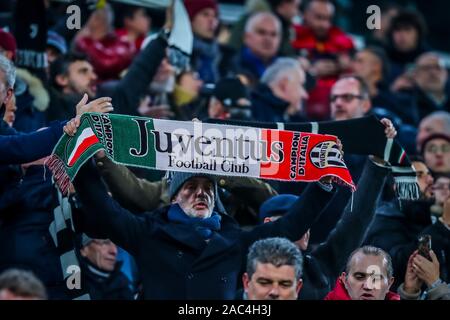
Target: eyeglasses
{"x": 441, "y": 186}
{"x": 445, "y": 148}
{"x": 347, "y": 97}
{"x": 431, "y": 67}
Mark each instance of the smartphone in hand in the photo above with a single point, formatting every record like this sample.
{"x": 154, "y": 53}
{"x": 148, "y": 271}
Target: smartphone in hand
{"x": 424, "y": 246}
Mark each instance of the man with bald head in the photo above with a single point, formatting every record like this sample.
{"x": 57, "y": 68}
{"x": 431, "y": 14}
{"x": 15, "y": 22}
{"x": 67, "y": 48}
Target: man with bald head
{"x": 262, "y": 40}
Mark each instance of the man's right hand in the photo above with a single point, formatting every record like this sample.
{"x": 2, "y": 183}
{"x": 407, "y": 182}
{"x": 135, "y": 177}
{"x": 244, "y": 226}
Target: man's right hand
{"x": 71, "y": 126}
{"x": 403, "y": 82}
{"x": 412, "y": 283}
{"x": 100, "y": 154}
{"x": 156, "y": 112}
{"x": 426, "y": 270}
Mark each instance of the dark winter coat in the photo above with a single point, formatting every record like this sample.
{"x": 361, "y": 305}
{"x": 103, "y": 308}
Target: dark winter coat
{"x": 25, "y": 241}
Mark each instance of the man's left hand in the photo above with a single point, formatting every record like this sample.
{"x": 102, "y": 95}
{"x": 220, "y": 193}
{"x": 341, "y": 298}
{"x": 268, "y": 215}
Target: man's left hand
{"x": 101, "y": 105}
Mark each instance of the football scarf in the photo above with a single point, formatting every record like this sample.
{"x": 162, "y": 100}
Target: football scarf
{"x": 188, "y": 146}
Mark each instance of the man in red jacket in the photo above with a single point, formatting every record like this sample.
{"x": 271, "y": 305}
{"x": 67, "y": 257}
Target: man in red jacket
{"x": 327, "y": 48}
{"x": 367, "y": 276}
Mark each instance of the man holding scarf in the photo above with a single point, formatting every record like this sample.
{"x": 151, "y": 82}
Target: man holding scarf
{"x": 187, "y": 250}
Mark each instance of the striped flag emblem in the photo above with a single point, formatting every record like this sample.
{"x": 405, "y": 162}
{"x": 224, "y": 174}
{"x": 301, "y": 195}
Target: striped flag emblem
{"x": 86, "y": 139}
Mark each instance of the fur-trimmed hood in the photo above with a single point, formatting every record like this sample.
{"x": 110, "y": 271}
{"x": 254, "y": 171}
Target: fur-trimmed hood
{"x": 36, "y": 89}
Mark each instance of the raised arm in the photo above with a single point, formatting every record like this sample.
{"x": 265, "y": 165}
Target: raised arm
{"x": 131, "y": 192}
{"x": 139, "y": 76}
{"x": 351, "y": 229}
{"x": 16, "y": 149}
{"x": 250, "y": 191}
{"x": 101, "y": 216}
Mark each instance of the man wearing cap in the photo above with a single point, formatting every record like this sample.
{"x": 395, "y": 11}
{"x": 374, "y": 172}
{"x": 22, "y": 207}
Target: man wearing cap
{"x": 56, "y": 46}
{"x": 209, "y": 58}
{"x": 187, "y": 250}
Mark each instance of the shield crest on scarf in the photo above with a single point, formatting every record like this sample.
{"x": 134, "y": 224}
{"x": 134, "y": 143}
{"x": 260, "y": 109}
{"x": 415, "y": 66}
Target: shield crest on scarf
{"x": 327, "y": 154}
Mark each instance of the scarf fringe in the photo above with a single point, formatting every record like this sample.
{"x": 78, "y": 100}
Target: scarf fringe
{"x": 407, "y": 188}
{"x": 60, "y": 175}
